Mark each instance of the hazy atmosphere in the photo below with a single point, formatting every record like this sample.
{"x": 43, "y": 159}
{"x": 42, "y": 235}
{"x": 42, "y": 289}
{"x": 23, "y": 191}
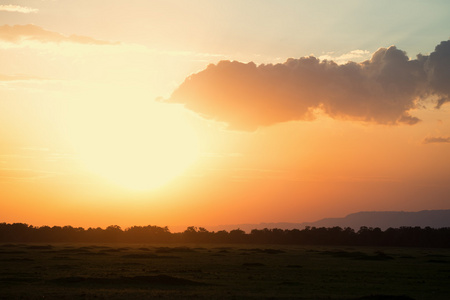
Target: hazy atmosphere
{"x": 203, "y": 113}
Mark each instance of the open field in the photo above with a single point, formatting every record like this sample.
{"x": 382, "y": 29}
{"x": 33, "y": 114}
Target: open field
{"x": 138, "y": 271}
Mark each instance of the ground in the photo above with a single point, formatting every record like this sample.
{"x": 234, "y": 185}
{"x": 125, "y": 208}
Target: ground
{"x": 143, "y": 271}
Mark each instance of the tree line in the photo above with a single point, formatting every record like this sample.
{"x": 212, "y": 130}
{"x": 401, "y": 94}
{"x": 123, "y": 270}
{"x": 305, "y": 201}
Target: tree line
{"x": 365, "y": 236}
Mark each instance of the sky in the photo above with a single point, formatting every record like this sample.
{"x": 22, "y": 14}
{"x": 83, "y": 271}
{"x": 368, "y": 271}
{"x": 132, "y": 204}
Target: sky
{"x": 205, "y": 113}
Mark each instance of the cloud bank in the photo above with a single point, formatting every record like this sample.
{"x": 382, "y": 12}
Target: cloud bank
{"x": 19, "y": 33}
{"x": 18, "y": 8}
{"x": 381, "y": 90}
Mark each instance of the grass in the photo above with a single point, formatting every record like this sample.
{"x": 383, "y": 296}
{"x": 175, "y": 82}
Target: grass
{"x": 137, "y": 271}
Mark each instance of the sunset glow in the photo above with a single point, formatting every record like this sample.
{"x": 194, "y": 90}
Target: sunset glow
{"x": 138, "y": 145}
{"x": 205, "y": 113}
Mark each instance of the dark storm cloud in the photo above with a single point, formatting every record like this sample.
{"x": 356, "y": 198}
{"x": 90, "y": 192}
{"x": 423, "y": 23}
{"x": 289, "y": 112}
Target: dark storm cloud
{"x": 380, "y": 90}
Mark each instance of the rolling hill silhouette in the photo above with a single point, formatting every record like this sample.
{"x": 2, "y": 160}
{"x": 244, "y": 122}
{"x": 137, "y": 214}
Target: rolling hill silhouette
{"x": 381, "y": 219}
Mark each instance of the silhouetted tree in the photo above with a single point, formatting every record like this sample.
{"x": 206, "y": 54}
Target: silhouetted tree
{"x": 367, "y": 236}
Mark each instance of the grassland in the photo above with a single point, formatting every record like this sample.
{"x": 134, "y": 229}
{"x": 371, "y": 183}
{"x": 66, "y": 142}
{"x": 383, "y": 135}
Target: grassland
{"x": 138, "y": 271}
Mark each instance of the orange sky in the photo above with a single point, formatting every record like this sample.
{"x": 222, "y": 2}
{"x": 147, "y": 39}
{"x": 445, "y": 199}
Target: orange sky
{"x": 209, "y": 113}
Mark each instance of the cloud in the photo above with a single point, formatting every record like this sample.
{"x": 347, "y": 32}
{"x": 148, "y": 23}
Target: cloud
{"x": 19, "y": 77}
{"x": 23, "y": 174}
{"x": 437, "y": 67}
{"x": 19, "y": 33}
{"x": 18, "y": 8}
{"x": 430, "y": 140}
{"x": 346, "y": 57}
{"x": 383, "y": 89}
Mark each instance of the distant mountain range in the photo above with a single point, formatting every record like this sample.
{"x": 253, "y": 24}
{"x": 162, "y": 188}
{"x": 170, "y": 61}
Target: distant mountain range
{"x": 381, "y": 219}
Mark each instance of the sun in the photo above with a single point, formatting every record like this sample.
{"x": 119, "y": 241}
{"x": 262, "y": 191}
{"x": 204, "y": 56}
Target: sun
{"x": 138, "y": 145}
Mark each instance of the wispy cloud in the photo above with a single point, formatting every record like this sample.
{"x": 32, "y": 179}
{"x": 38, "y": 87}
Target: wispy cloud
{"x": 14, "y": 174}
{"x": 19, "y": 77}
{"x": 18, "y": 8}
{"x": 20, "y": 33}
{"x": 383, "y": 89}
{"x": 431, "y": 140}
{"x": 346, "y": 57}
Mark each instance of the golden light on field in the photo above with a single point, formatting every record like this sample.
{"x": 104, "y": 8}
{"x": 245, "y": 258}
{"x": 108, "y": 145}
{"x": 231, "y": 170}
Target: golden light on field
{"x": 138, "y": 145}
